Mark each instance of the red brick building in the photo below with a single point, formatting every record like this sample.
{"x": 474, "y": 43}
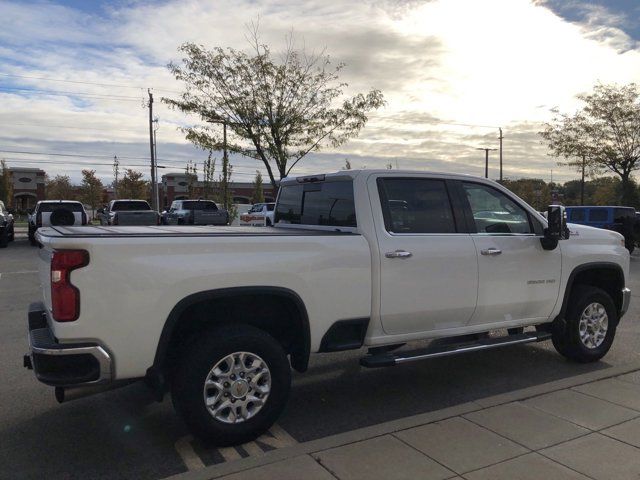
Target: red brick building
{"x": 28, "y": 187}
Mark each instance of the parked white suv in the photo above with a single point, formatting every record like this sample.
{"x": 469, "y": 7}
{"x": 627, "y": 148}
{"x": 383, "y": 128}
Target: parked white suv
{"x": 48, "y": 213}
{"x": 372, "y": 258}
{"x": 260, "y": 214}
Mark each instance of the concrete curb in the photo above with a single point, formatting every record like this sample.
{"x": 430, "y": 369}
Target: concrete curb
{"x": 220, "y": 470}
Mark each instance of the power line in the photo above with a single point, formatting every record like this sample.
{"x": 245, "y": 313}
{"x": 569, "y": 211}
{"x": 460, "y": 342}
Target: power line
{"x": 81, "y": 82}
{"x": 68, "y": 81}
{"x": 127, "y": 98}
{"x": 73, "y": 127}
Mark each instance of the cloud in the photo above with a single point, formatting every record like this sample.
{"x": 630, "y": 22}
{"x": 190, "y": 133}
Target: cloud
{"x": 451, "y": 71}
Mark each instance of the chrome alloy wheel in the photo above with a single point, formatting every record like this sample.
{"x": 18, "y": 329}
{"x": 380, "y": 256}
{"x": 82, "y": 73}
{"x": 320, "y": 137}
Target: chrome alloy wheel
{"x": 593, "y": 326}
{"x": 237, "y": 387}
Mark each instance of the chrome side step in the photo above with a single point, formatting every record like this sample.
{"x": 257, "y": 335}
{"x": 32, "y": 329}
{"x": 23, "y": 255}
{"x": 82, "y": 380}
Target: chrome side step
{"x": 389, "y": 359}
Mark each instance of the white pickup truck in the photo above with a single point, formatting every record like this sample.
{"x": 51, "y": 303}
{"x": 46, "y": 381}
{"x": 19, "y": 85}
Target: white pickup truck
{"x": 219, "y": 315}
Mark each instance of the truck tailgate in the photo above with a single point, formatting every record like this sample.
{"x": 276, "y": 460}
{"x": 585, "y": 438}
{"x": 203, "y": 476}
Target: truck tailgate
{"x": 141, "y": 217}
{"x": 209, "y": 217}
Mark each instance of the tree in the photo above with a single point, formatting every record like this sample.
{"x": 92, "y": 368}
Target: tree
{"x": 258, "y": 191}
{"x": 606, "y": 131}
{"x": 192, "y": 177}
{"x": 276, "y": 111}
{"x": 6, "y": 187}
{"x": 208, "y": 171}
{"x": 132, "y": 185}
{"x": 91, "y": 189}
{"x": 536, "y": 192}
{"x": 59, "y": 188}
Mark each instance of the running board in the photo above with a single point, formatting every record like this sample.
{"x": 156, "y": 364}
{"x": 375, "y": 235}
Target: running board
{"x": 389, "y": 359}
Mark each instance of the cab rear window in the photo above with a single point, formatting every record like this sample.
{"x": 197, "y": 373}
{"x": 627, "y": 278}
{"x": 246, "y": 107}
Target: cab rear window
{"x": 50, "y": 207}
{"x": 327, "y": 203}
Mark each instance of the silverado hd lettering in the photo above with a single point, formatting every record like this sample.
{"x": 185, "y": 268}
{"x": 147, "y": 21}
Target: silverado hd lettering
{"x": 218, "y": 316}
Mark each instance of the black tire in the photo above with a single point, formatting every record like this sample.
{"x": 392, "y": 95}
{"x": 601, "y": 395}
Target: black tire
{"x": 4, "y": 238}
{"x": 566, "y": 335}
{"x": 268, "y": 223}
{"x": 32, "y": 237}
{"x": 12, "y": 235}
{"x": 188, "y": 379}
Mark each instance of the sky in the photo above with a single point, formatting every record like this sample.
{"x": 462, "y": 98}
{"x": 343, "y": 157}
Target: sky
{"x": 74, "y": 77}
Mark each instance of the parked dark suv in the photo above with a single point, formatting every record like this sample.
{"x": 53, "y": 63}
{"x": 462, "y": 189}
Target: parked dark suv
{"x": 619, "y": 219}
{"x": 6, "y": 226}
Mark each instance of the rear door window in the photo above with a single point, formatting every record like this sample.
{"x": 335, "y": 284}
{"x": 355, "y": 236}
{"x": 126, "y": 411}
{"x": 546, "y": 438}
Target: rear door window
{"x": 598, "y": 214}
{"x": 328, "y": 203}
{"x": 416, "y": 205}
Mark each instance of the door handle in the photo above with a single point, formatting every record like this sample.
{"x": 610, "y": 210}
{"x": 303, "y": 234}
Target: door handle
{"x": 491, "y": 251}
{"x": 398, "y": 254}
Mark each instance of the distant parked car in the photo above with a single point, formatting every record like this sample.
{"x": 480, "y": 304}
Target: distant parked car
{"x": 619, "y": 219}
{"x": 128, "y": 212}
{"x": 56, "y": 213}
{"x": 259, "y": 214}
{"x": 196, "y": 212}
{"x": 7, "y": 232}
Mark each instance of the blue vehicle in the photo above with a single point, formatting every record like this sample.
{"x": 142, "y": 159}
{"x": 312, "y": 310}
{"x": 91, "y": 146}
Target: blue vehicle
{"x": 619, "y": 219}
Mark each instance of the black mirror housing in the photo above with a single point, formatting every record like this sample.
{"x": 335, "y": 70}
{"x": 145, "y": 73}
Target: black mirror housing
{"x": 557, "y": 227}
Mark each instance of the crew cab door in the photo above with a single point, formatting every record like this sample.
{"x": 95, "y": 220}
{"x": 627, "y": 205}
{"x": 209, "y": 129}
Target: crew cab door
{"x": 518, "y": 279}
{"x": 428, "y": 267}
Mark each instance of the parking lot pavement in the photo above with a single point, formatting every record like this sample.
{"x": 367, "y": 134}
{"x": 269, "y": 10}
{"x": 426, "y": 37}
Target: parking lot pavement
{"x": 524, "y": 438}
{"x": 125, "y": 434}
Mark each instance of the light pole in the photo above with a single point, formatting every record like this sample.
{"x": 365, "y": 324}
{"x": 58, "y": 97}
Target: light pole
{"x": 154, "y": 189}
{"x": 486, "y": 159}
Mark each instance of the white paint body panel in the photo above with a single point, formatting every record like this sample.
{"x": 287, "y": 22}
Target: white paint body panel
{"x": 132, "y": 283}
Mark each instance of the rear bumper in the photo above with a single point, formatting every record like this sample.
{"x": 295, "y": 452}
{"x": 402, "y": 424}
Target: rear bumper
{"x": 59, "y": 364}
{"x": 626, "y": 299}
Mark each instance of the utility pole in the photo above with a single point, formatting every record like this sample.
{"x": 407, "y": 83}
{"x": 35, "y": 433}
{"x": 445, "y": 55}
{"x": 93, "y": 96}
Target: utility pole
{"x": 154, "y": 186}
{"x": 486, "y": 159}
{"x": 500, "y": 138}
{"x": 582, "y": 181}
{"x": 155, "y": 154}
{"x": 225, "y": 165}
{"x": 116, "y": 169}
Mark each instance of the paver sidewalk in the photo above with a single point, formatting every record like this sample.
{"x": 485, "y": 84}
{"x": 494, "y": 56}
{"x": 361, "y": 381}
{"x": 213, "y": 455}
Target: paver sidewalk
{"x": 587, "y": 431}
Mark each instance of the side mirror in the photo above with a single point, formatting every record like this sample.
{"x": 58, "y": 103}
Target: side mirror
{"x": 557, "y": 227}
{"x": 100, "y": 211}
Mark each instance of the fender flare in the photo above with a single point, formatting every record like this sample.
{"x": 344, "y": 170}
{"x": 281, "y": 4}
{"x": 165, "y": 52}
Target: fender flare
{"x": 300, "y": 359}
{"x": 582, "y": 268}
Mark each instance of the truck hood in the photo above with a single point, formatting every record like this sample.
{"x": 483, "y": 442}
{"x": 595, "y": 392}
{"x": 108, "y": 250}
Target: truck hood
{"x": 592, "y": 234}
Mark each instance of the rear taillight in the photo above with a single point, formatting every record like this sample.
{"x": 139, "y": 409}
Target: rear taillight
{"x": 39, "y": 219}
{"x": 65, "y": 298}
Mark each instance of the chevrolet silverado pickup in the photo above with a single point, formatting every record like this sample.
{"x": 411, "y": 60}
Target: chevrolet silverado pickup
{"x": 128, "y": 212}
{"x": 218, "y": 316}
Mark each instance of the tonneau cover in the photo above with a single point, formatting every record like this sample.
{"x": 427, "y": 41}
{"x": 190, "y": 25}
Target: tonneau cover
{"x": 181, "y": 231}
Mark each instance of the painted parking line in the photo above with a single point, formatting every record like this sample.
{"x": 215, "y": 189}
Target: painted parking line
{"x": 187, "y": 453}
{"x": 188, "y": 449}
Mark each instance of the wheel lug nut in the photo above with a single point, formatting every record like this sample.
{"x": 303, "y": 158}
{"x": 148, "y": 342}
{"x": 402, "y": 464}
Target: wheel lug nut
{"x": 226, "y": 384}
{"x": 241, "y": 374}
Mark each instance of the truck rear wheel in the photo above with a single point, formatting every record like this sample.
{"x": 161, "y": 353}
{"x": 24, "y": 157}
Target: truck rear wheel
{"x": 589, "y": 327}
{"x": 231, "y": 384}
{"x": 4, "y": 237}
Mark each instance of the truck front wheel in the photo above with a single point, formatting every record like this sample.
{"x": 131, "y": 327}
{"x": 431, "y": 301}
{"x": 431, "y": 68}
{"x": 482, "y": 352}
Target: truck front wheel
{"x": 231, "y": 384}
{"x": 590, "y": 325}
